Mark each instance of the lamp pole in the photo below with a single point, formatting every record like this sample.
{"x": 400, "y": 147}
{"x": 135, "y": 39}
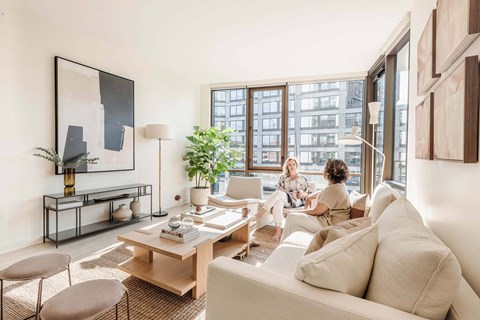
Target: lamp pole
{"x": 160, "y": 212}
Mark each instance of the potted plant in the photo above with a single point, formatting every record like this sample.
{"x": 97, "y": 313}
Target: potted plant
{"x": 67, "y": 168}
{"x": 208, "y": 155}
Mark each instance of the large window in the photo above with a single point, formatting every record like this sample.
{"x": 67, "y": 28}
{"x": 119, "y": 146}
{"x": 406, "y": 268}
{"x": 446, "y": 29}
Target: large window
{"x": 301, "y": 120}
{"x": 390, "y": 88}
{"x": 400, "y": 117}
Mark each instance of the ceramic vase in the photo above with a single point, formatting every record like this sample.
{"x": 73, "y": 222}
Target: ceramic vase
{"x": 122, "y": 213}
{"x": 136, "y": 208}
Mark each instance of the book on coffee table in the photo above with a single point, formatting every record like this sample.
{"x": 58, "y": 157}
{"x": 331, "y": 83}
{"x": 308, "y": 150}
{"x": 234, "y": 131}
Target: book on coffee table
{"x": 224, "y": 221}
{"x": 204, "y": 217}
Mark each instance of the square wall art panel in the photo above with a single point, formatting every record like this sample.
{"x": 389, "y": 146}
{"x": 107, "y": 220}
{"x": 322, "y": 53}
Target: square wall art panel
{"x": 456, "y": 114}
{"x": 458, "y": 25}
{"x": 424, "y": 129}
{"x": 94, "y": 114}
{"x": 426, "y": 74}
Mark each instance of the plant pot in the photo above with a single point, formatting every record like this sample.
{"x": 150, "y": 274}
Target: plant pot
{"x": 199, "y": 196}
{"x": 122, "y": 213}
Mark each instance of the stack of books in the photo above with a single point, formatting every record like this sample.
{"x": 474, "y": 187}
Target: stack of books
{"x": 180, "y": 235}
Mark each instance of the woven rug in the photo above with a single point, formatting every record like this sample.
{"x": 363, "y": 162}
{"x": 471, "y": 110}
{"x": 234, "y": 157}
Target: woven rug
{"x": 146, "y": 300}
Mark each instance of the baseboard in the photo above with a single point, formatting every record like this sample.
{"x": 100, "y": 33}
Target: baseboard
{"x": 20, "y": 244}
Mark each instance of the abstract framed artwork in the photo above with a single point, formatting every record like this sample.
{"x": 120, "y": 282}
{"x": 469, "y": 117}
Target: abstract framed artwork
{"x": 426, "y": 56}
{"x": 424, "y": 128}
{"x": 458, "y": 25}
{"x": 456, "y": 114}
{"x": 94, "y": 113}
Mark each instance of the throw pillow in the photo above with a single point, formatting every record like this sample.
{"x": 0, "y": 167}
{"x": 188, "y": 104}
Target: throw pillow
{"x": 344, "y": 228}
{"x": 413, "y": 270}
{"x": 344, "y": 265}
{"x": 360, "y": 204}
{"x": 382, "y": 197}
{"x": 341, "y": 229}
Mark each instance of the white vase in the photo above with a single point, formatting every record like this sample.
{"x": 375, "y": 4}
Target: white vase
{"x": 136, "y": 208}
{"x": 122, "y": 213}
{"x": 199, "y": 196}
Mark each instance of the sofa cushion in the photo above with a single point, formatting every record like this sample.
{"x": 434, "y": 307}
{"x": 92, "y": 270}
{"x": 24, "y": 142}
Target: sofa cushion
{"x": 413, "y": 270}
{"x": 343, "y": 265}
{"x": 284, "y": 259}
{"x": 299, "y": 238}
{"x": 382, "y": 197}
{"x": 336, "y": 231}
{"x": 341, "y": 231}
{"x": 360, "y": 204}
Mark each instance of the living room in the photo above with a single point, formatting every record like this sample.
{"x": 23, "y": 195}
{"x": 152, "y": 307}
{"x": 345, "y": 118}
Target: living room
{"x": 176, "y": 53}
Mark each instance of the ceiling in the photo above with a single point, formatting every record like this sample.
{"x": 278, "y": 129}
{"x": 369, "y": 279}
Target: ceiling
{"x": 211, "y": 41}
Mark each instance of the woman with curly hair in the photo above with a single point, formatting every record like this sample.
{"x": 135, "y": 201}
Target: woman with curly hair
{"x": 333, "y": 205}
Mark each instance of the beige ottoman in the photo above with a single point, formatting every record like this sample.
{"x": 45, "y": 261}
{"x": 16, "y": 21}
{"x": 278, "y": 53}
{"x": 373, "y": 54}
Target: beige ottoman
{"x": 85, "y": 300}
{"x": 36, "y": 267}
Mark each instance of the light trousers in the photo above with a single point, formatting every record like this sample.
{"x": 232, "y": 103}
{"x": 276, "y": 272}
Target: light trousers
{"x": 276, "y": 203}
{"x": 297, "y": 221}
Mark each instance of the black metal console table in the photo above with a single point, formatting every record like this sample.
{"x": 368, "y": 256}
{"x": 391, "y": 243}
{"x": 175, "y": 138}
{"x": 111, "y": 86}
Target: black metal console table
{"x": 57, "y": 203}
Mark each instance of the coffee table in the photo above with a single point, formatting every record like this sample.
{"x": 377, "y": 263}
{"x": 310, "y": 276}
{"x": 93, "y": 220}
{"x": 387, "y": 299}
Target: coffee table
{"x": 180, "y": 267}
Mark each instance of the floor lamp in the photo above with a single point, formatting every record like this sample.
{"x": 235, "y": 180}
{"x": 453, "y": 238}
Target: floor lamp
{"x": 354, "y": 139}
{"x": 160, "y": 132}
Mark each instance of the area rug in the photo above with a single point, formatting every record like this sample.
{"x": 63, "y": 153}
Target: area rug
{"x": 146, "y": 301}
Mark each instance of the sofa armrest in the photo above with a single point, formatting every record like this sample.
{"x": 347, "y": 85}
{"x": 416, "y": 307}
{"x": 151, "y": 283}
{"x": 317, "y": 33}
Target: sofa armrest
{"x": 236, "y": 290}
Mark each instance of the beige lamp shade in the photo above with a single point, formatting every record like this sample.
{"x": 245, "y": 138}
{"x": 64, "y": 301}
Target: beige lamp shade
{"x": 159, "y": 131}
{"x": 374, "y": 108}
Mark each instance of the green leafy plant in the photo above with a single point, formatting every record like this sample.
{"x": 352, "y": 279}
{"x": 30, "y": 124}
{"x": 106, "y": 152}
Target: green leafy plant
{"x": 51, "y": 155}
{"x": 209, "y": 155}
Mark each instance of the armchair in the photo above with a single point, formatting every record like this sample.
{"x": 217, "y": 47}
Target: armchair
{"x": 242, "y": 192}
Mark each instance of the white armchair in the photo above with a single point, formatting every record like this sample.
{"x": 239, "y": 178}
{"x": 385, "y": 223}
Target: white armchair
{"x": 242, "y": 192}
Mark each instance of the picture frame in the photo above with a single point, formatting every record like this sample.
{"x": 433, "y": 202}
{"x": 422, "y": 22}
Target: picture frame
{"x": 94, "y": 114}
{"x": 456, "y": 114}
{"x": 458, "y": 25}
{"x": 424, "y": 115}
{"x": 426, "y": 56}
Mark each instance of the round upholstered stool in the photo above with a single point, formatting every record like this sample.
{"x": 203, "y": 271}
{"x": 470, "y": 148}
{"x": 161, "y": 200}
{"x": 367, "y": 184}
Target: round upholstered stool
{"x": 85, "y": 300}
{"x": 36, "y": 267}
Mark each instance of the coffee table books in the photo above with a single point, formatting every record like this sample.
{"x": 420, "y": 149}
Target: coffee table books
{"x": 204, "y": 217}
{"x": 224, "y": 221}
{"x": 180, "y": 235}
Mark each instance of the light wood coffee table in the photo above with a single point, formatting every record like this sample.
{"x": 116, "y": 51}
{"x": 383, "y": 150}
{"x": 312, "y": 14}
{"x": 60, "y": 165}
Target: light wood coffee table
{"x": 179, "y": 267}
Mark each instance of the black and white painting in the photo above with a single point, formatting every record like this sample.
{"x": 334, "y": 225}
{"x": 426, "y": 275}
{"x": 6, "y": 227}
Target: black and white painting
{"x": 95, "y": 115}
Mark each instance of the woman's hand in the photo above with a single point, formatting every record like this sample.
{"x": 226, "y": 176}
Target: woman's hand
{"x": 308, "y": 202}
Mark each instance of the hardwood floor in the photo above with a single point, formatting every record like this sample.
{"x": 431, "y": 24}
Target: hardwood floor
{"x": 85, "y": 246}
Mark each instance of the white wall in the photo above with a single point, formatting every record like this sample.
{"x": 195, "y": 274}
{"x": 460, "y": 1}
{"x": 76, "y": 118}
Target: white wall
{"x": 445, "y": 193}
{"x": 28, "y": 44}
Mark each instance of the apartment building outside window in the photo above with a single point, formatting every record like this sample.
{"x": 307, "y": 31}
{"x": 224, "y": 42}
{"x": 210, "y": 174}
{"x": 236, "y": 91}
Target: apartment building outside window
{"x": 301, "y": 120}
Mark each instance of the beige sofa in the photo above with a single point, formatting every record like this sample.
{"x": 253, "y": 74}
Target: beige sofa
{"x": 414, "y": 276}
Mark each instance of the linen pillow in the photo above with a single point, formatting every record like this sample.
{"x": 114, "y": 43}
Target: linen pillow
{"x": 344, "y": 265}
{"x": 345, "y": 227}
{"x": 360, "y": 204}
{"x": 382, "y": 197}
{"x": 413, "y": 270}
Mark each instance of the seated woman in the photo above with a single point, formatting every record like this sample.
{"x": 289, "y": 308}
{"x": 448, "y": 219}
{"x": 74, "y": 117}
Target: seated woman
{"x": 292, "y": 191}
{"x": 333, "y": 204}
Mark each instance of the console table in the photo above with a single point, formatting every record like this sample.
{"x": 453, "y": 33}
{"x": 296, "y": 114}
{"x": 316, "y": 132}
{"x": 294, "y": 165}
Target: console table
{"x": 87, "y": 198}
